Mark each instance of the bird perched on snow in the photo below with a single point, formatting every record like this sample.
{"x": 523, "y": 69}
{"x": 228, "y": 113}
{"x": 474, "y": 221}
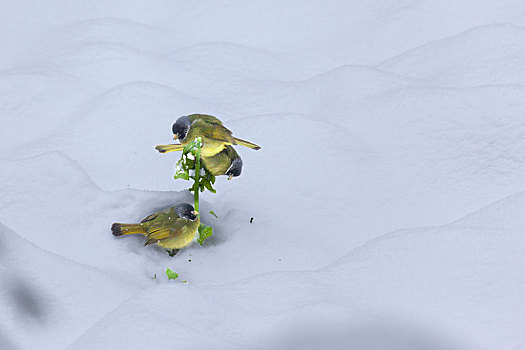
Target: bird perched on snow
{"x": 215, "y": 136}
{"x": 227, "y": 162}
{"x": 172, "y": 228}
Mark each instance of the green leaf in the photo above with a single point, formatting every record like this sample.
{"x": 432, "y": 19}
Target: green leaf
{"x": 171, "y": 274}
{"x": 189, "y": 147}
{"x": 213, "y": 213}
{"x": 204, "y": 232}
{"x": 192, "y": 147}
{"x": 208, "y": 186}
{"x": 181, "y": 175}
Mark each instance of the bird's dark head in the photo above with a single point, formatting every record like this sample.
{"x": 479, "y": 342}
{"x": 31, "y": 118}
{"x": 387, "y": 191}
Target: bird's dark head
{"x": 235, "y": 168}
{"x": 185, "y": 210}
{"x": 180, "y": 128}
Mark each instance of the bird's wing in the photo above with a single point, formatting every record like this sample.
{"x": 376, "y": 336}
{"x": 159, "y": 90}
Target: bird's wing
{"x": 150, "y": 217}
{"x": 156, "y": 234}
{"x": 208, "y": 119}
{"x": 223, "y": 134}
{"x": 214, "y": 131}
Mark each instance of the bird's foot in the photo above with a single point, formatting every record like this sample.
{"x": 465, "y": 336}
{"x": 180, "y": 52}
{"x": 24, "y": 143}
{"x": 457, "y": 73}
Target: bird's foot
{"x": 172, "y": 252}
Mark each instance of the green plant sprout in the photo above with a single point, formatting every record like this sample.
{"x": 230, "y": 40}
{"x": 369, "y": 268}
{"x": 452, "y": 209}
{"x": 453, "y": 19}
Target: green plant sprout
{"x": 185, "y": 164}
{"x": 202, "y": 178}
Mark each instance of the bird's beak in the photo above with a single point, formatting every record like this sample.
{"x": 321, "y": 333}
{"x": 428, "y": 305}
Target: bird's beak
{"x": 195, "y": 212}
{"x": 175, "y": 136}
{"x": 230, "y": 177}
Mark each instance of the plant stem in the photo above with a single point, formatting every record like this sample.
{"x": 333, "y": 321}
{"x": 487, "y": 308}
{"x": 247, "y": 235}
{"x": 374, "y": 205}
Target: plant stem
{"x": 196, "y": 185}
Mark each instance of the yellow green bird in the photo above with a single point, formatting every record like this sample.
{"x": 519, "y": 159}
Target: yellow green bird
{"x": 215, "y": 136}
{"x": 227, "y": 162}
{"x": 172, "y": 228}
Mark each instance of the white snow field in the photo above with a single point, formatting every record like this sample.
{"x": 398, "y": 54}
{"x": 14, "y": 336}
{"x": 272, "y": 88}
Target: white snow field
{"x": 388, "y": 200}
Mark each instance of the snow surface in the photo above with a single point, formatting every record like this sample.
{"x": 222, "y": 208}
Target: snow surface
{"x": 388, "y": 199}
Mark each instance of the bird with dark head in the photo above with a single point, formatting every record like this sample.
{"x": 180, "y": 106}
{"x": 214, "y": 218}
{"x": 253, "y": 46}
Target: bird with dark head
{"x": 215, "y": 136}
{"x": 172, "y": 228}
{"x": 181, "y": 127}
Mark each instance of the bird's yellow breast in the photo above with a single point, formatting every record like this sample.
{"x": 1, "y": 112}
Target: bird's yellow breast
{"x": 211, "y": 147}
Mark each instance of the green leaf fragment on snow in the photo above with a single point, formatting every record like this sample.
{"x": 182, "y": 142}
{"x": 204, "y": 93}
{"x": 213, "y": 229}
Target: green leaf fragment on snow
{"x": 171, "y": 274}
{"x": 213, "y": 213}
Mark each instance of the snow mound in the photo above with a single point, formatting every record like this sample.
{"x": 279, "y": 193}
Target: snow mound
{"x": 467, "y": 59}
{"x": 68, "y": 215}
{"x": 373, "y": 117}
{"x": 446, "y": 280}
{"x": 29, "y": 97}
{"x": 113, "y": 30}
{"x": 51, "y": 297}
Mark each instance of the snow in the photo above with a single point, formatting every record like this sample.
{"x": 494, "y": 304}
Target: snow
{"x": 387, "y": 199}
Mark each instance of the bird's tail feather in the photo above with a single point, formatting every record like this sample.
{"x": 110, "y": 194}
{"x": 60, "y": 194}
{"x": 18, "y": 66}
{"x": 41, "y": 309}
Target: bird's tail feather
{"x": 127, "y": 229}
{"x": 169, "y": 148}
{"x": 247, "y": 144}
